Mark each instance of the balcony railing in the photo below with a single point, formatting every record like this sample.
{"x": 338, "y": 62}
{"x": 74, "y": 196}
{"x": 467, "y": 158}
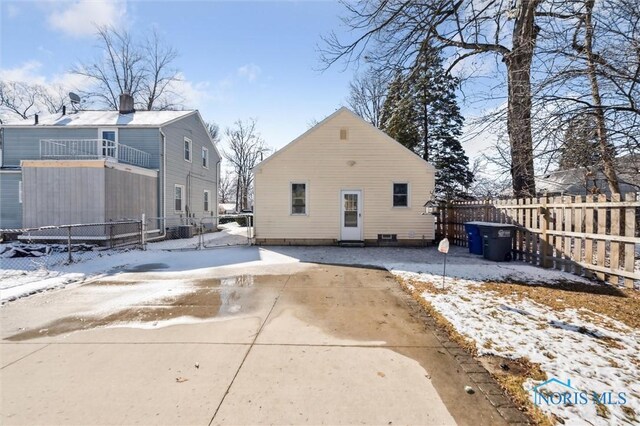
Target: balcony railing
{"x": 92, "y": 149}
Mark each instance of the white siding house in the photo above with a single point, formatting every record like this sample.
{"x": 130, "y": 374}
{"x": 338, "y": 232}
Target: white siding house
{"x": 343, "y": 180}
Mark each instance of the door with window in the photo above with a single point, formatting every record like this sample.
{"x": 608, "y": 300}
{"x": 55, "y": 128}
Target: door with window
{"x": 351, "y": 215}
{"x": 109, "y": 140}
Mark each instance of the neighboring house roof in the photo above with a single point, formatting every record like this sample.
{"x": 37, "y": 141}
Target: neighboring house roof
{"x": 102, "y": 119}
{"x": 588, "y": 181}
{"x": 108, "y": 119}
{"x": 344, "y": 110}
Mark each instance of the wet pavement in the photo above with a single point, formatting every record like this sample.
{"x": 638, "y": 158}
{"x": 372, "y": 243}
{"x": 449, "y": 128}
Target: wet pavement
{"x": 308, "y": 344}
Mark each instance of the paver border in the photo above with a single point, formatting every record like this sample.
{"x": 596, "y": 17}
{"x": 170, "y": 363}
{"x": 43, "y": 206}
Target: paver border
{"x": 477, "y": 373}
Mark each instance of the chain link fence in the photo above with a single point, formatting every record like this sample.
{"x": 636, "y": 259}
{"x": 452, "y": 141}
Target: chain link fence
{"x": 49, "y": 246}
{"x": 194, "y": 233}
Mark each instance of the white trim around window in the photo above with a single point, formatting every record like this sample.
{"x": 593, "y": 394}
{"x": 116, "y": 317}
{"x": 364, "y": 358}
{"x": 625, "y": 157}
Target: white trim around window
{"x": 188, "y": 150}
{"x": 393, "y": 195}
{"x": 205, "y": 157}
{"x": 207, "y": 200}
{"x": 101, "y": 130}
{"x": 302, "y": 207}
{"x": 178, "y": 197}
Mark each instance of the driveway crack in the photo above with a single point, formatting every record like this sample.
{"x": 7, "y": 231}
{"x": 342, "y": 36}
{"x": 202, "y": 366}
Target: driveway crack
{"x": 246, "y": 355}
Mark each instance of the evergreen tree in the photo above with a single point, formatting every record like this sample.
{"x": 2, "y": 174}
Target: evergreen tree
{"x": 421, "y": 112}
{"x": 440, "y": 124}
{"x": 398, "y": 118}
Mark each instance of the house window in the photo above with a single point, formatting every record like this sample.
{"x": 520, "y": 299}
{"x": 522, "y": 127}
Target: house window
{"x": 344, "y": 134}
{"x": 207, "y": 197}
{"x": 400, "y": 195}
{"x": 298, "y": 198}
{"x": 179, "y": 198}
{"x": 20, "y": 191}
{"x": 205, "y": 158}
{"x": 187, "y": 149}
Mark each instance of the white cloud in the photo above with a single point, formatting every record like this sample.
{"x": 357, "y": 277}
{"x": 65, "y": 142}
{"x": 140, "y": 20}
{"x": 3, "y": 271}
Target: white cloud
{"x": 80, "y": 18}
{"x": 202, "y": 94}
{"x": 26, "y": 72}
{"x": 250, "y": 72}
{"x": 30, "y": 72}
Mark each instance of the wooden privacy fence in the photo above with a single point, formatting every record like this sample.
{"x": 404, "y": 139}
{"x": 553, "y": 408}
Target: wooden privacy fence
{"x": 587, "y": 236}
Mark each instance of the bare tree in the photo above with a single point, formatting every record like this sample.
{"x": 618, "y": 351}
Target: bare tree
{"x": 606, "y": 153}
{"x": 246, "y": 150}
{"x": 591, "y": 63}
{"x": 227, "y": 187}
{"x": 214, "y": 131}
{"x": 23, "y": 99}
{"x": 160, "y": 74}
{"x": 390, "y": 34}
{"x": 126, "y": 66}
{"x": 367, "y": 93}
{"x": 18, "y": 98}
{"x": 53, "y": 98}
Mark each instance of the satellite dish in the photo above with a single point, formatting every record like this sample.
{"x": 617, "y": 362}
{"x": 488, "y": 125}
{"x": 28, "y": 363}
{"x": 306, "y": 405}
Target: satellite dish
{"x": 75, "y": 101}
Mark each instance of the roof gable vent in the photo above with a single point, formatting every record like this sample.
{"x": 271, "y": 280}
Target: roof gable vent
{"x": 344, "y": 135}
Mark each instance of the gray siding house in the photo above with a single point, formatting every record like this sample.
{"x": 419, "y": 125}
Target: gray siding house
{"x": 101, "y": 166}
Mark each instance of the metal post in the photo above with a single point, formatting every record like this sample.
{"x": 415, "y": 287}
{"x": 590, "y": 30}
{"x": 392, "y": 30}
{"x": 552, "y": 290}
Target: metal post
{"x": 444, "y": 270}
{"x": 70, "y": 259}
{"x": 143, "y": 232}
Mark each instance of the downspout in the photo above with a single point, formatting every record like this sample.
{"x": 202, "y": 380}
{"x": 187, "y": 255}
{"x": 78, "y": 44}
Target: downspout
{"x": 164, "y": 184}
{"x": 218, "y": 192}
{"x": 1, "y": 145}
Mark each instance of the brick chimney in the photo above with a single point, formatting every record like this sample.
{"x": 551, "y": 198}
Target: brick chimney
{"x": 126, "y": 103}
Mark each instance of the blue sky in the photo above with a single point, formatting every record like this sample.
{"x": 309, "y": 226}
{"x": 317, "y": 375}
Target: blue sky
{"x": 238, "y": 59}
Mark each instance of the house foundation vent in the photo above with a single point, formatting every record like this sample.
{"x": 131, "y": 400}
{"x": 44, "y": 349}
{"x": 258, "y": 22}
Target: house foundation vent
{"x": 387, "y": 239}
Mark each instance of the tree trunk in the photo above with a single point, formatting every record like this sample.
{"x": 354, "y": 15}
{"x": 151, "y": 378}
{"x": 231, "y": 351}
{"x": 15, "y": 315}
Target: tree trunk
{"x": 238, "y": 188}
{"x": 518, "y": 63}
{"x": 245, "y": 193}
{"x": 425, "y": 117}
{"x": 605, "y": 150}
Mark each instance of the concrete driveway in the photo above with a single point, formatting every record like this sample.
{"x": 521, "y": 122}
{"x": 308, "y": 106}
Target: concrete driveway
{"x": 318, "y": 345}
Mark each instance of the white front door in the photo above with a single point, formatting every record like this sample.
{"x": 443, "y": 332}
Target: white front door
{"x": 351, "y": 216}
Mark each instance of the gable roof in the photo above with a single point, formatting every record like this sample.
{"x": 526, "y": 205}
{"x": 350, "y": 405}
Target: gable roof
{"x": 202, "y": 122}
{"x": 344, "y": 110}
{"x": 102, "y": 119}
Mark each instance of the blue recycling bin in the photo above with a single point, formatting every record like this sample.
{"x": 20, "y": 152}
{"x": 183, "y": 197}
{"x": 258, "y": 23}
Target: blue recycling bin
{"x": 474, "y": 238}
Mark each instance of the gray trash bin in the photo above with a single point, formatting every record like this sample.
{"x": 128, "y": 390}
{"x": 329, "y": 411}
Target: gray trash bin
{"x": 497, "y": 240}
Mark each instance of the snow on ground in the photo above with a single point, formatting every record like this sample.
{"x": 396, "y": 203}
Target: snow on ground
{"x": 565, "y": 345}
{"x": 460, "y": 263}
{"x": 24, "y": 276}
{"x": 230, "y": 235}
